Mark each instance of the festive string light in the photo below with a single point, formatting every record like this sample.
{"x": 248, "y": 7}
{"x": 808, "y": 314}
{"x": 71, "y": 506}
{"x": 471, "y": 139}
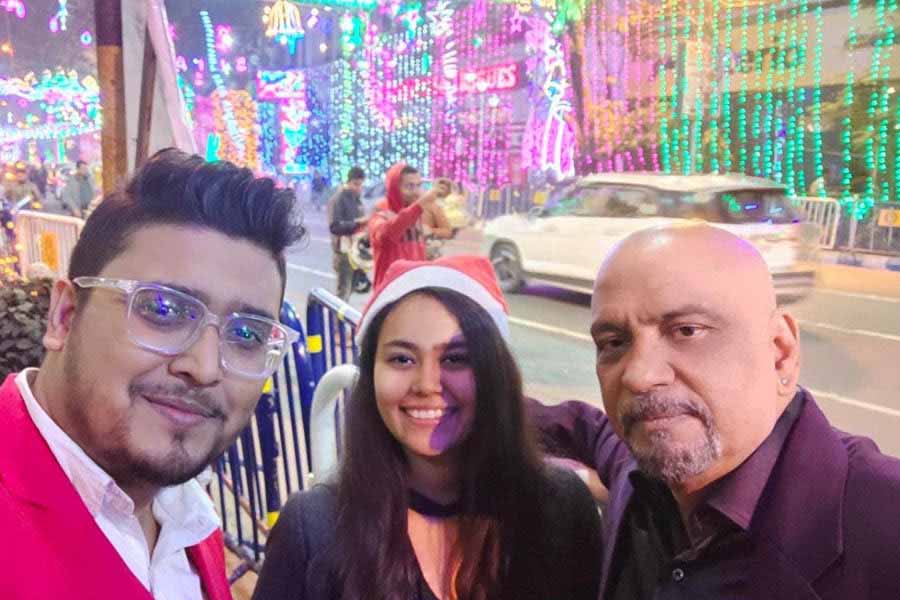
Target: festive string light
{"x": 240, "y": 106}
{"x": 60, "y": 20}
{"x": 228, "y": 116}
{"x": 678, "y": 86}
{"x": 284, "y": 23}
{"x": 818, "y": 150}
{"x": 847, "y": 123}
{"x": 728, "y": 66}
{"x": 224, "y": 38}
{"x": 16, "y": 7}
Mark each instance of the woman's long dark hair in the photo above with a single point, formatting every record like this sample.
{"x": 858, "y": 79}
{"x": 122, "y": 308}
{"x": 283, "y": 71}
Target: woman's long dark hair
{"x": 502, "y": 535}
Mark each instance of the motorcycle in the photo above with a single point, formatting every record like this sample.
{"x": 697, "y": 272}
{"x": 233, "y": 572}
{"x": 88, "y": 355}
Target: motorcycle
{"x": 361, "y": 261}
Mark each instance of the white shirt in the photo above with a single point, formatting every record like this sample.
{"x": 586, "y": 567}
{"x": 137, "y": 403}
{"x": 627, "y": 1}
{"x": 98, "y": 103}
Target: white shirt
{"x": 185, "y": 513}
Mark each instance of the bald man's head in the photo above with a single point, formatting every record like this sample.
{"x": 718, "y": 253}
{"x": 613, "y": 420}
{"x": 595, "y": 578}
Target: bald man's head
{"x": 713, "y": 256}
{"x": 695, "y": 361}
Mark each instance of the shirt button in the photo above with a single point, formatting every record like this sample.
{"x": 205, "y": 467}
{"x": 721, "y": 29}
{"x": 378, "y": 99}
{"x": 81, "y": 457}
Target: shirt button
{"x": 677, "y": 575}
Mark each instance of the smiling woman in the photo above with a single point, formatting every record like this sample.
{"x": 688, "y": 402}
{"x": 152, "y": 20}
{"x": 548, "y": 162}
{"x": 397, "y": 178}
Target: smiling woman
{"x": 441, "y": 494}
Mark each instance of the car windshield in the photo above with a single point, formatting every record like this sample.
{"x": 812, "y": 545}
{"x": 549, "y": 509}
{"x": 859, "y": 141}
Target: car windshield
{"x": 731, "y": 206}
{"x": 756, "y": 206}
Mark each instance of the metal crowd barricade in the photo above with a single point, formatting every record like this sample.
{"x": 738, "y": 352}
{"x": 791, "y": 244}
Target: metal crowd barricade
{"x": 45, "y": 238}
{"x": 879, "y": 231}
{"x": 824, "y": 212}
{"x": 489, "y": 203}
{"x": 272, "y": 457}
{"x": 269, "y": 460}
{"x": 331, "y": 325}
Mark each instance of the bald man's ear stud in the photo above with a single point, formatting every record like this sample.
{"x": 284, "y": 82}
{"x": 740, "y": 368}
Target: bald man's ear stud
{"x": 784, "y": 381}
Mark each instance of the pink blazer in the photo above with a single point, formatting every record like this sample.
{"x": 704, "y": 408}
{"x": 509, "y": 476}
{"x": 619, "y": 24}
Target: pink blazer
{"x": 50, "y": 547}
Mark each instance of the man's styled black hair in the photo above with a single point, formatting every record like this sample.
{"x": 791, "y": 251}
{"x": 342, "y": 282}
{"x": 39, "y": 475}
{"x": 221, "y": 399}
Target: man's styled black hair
{"x": 175, "y": 188}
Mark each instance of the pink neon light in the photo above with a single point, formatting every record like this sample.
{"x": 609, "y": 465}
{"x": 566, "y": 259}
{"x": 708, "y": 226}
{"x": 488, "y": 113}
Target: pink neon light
{"x": 490, "y": 79}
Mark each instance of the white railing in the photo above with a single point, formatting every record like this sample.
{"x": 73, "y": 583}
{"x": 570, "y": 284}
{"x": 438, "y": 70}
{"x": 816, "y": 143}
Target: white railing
{"x": 325, "y": 420}
{"x": 46, "y": 238}
{"x": 824, "y": 212}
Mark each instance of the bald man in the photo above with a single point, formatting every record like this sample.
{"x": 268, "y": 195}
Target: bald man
{"x": 725, "y": 479}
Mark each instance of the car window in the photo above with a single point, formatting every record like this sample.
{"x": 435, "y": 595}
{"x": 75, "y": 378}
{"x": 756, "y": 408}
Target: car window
{"x": 564, "y": 205}
{"x": 683, "y": 205}
{"x": 756, "y": 206}
{"x": 593, "y": 201}
{"x": 605, "y": 201}
{"x": 632, "y": 203}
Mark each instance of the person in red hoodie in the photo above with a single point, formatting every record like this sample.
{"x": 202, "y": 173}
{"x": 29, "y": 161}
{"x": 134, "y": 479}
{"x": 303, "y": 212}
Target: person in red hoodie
{"x": 158, "y": 344}
{"x": 395, "y": 230}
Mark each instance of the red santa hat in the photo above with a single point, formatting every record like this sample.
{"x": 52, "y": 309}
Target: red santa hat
{"x": 471, "y": 276}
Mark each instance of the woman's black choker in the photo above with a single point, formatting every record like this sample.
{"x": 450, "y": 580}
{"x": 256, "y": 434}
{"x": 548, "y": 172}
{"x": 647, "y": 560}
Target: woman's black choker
{"x": 427, "y": 507}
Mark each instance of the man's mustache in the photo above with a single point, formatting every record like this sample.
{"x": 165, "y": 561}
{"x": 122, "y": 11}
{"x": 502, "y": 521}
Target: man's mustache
{"x": 661, "y": 406}
{"x": 197, "y": 397}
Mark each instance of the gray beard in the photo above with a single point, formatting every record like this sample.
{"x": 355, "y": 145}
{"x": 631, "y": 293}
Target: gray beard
{"x": 660, "y": 458}
{"x": 675, "y": 465}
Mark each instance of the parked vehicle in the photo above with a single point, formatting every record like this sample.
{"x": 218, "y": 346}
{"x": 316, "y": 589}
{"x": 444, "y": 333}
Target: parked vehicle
{"x": 564, "y": 242}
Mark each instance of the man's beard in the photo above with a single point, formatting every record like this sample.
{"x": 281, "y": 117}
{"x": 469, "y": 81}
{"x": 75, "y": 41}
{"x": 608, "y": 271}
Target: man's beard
{"x": 112, "y": 452}
{"x": 661, "y": 458}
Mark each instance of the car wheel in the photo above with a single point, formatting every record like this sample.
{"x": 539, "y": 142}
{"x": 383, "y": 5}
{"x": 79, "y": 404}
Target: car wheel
{"x": 508, "y": 266}
{"x": 361, "y": 282}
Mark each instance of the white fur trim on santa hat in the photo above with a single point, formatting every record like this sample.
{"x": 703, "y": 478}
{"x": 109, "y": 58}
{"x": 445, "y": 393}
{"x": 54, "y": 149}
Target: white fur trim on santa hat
{"x": 433, "y": 276}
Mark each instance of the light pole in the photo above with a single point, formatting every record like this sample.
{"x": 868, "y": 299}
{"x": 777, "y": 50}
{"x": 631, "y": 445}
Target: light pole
{"x": 482, "y": 98}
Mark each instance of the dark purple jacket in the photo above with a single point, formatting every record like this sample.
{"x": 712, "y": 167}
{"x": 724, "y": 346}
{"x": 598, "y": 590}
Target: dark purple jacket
{"x": 826, "y": 527}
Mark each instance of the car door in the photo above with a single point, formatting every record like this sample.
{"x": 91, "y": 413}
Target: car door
{"x": 546, "y": 232}
{"x": 562, "y": 223}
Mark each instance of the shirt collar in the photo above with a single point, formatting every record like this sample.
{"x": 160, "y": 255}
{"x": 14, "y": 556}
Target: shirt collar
{"x": 92, "y": 483}
{"x": 186, "y": 516}
{"x": 186, "y": 509}
{"x": 737, "y": 494}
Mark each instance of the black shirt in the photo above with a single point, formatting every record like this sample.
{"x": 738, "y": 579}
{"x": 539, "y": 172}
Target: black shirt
{"x": 655, "y": 548}
{"x": 299, "y": 563}
{"x": 344, "y": 209}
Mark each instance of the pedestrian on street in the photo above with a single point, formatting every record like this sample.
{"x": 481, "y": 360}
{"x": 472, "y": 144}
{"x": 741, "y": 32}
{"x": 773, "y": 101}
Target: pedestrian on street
{"x": 158, "y": 344}
{"x": 318, "y": 188}
{"x": 346, "y": 216}
{"x": 38, "y": 175}
{"x": 20, "y": 192}
{"x": 79, "y": 191}
{"x": 725, "y": 478}
{"x": 395, "y": 228}
{"x": 440, "y": 494}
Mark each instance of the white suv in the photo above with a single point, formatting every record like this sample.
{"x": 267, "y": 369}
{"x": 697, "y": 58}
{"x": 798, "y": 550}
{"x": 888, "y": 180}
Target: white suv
{"x": 564, "y": 242}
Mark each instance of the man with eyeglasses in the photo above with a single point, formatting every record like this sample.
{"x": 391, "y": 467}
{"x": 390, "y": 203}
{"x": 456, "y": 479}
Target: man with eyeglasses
{"x": 395, "y": 229}
{"x": 158, "y": 345}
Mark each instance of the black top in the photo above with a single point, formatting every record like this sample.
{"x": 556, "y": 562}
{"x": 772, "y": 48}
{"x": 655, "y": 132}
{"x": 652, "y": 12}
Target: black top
{"x": 655, "y": 546}
{"x": 299, "y": 567}
{"x": 344, "y": 209}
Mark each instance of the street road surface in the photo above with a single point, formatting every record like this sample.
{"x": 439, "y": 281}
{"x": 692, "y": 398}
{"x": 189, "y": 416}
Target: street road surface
{"x": 850, "y": 342}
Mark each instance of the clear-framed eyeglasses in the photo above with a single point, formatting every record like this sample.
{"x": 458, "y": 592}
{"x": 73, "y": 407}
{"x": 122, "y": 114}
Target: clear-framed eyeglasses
{"x": 168, "y": 322}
